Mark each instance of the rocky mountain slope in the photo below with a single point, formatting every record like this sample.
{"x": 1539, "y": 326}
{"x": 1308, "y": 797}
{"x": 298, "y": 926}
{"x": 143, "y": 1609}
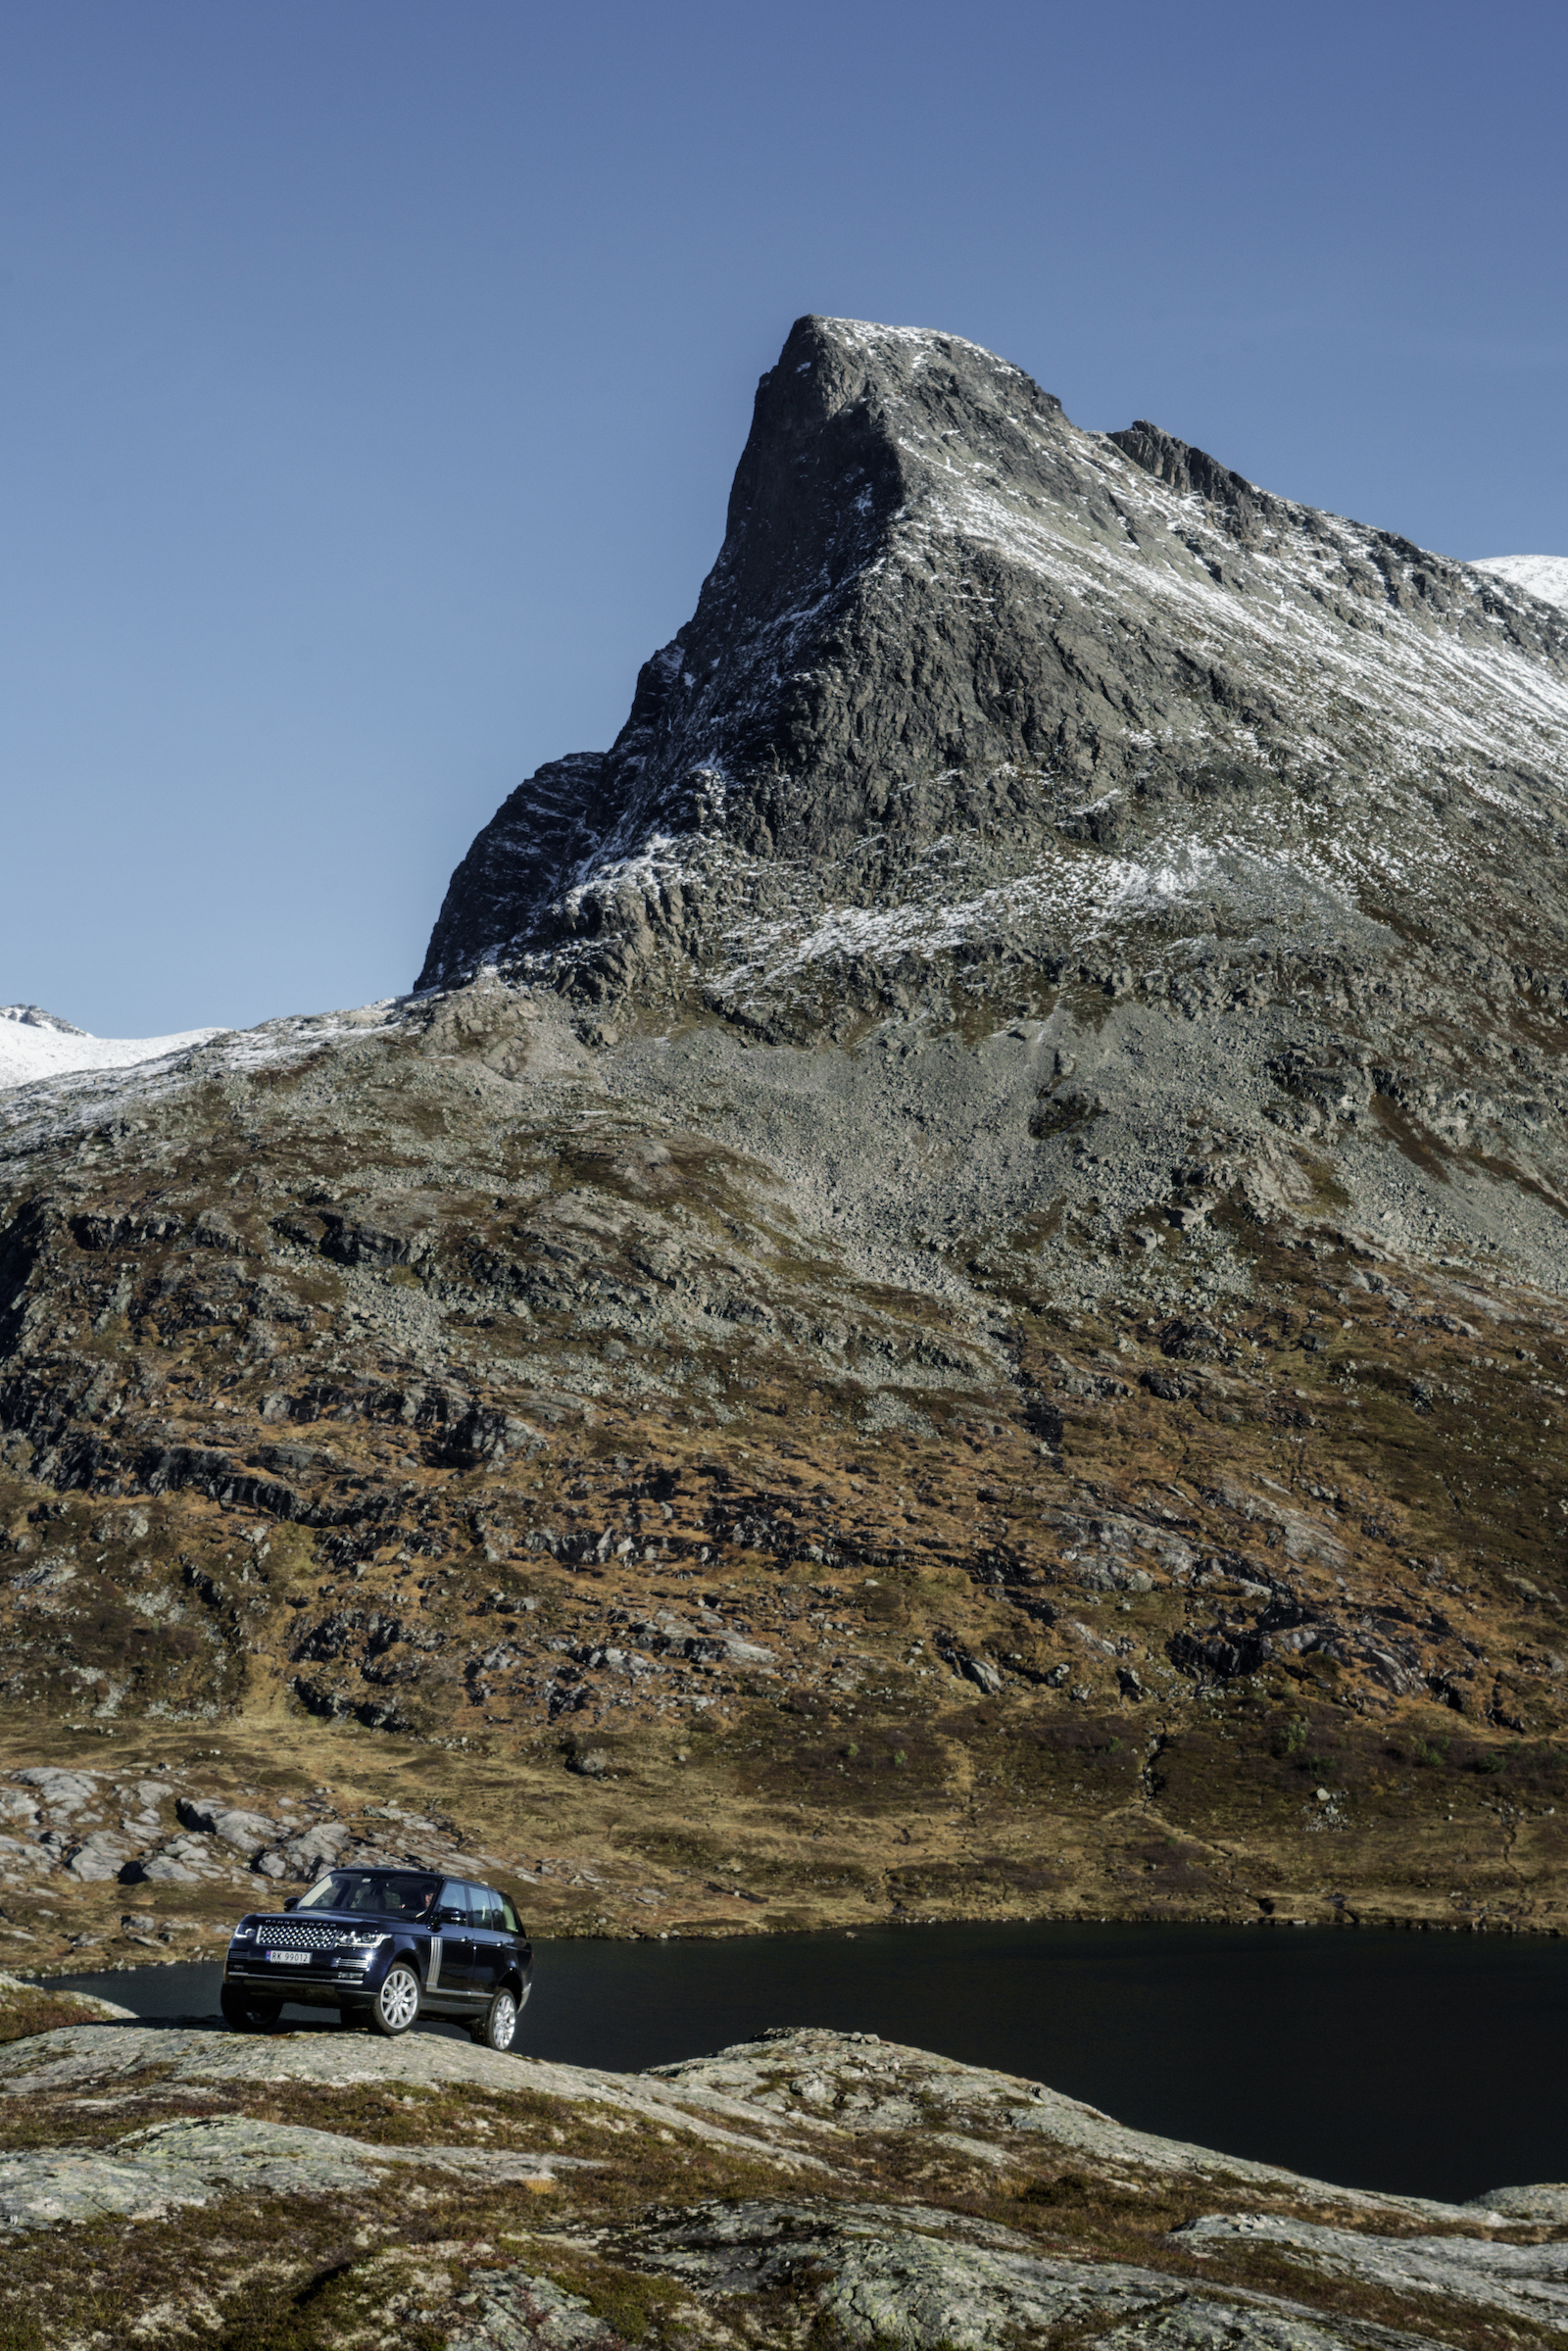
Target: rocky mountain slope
{"x": 950, "y": 1298}
{"x": 314, "y": 2187}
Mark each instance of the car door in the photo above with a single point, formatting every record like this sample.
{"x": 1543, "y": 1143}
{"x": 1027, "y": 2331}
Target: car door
{"x": 516, "y": 1951}
{"x": 452, "y": 1937}
{"x": 489, "y": 1942}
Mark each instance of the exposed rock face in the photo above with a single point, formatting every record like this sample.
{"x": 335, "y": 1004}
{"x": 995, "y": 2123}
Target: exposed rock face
{"x": 990, "y": 1252}
{"x": 517, "y": 861}
{"x": 91, "y": 1829}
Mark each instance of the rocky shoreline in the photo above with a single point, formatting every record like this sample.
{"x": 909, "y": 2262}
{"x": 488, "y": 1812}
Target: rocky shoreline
{"x": 153, "y": 1860}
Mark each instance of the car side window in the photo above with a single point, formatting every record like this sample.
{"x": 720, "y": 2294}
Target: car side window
{"x": 481, "y": 1904}
{"x": 454, "y": 1896}
{"x": 509, "y": 1918}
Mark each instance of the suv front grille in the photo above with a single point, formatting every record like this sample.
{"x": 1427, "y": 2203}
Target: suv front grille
{"x": 301, "y": 1938}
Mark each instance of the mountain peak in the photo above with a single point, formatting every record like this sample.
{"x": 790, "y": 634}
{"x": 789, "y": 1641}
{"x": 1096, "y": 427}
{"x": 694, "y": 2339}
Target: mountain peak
{"x": 953, "y": 654}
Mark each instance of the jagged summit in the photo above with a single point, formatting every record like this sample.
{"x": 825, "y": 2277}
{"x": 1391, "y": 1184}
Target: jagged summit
{"x": 953, "y": 646}
{"x": 766, "y": 719}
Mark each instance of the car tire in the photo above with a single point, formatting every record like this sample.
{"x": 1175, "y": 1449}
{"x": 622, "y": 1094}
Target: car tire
{"x": 246, "y": 2012}
{"x": 396, "y": 2005}
{"x": 497, "y": 2029}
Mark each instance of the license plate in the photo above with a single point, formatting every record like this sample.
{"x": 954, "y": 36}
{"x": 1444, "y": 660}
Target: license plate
{"x": 290, "y": 1958}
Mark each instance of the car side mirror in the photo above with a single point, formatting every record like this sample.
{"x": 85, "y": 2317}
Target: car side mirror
{"x": 449, "y": 1916}
{"x": 292, "y": 1902}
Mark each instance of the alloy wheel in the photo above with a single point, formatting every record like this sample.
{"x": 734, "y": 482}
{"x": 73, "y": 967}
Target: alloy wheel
{"x": 397, "y": 2003}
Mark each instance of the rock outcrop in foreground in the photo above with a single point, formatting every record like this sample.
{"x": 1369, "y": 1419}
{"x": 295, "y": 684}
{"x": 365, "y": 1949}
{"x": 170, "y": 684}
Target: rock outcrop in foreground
{"x": 950, "y": 1303}
{"x": 325, "y": 2188}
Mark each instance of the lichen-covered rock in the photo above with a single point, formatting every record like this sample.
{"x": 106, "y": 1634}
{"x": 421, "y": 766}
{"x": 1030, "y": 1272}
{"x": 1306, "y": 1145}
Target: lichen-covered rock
{"x": 878, "y": 2274}
{"x": 1518, "y": 2281}
{"x": 1546, "y": 2201}
{"x": 910, "y": 2202}
{"x": 928, "y": 2281}
{"x": 154, "y": 2171}
{"x": 514, "y": 2310}
{"x": 28, "y": 2010}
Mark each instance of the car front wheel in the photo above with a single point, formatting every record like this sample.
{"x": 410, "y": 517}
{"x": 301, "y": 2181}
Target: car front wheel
{"x": 497, "y": 2029}
{"x": 397, "y": 2003}
{"x": 243, "y": 2013}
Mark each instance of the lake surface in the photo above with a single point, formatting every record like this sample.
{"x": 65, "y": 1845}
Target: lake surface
{"x": 1430, "y": 2063}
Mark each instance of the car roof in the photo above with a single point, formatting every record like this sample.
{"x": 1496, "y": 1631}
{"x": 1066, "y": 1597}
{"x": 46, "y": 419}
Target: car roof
{"x": 400, "y": 1869}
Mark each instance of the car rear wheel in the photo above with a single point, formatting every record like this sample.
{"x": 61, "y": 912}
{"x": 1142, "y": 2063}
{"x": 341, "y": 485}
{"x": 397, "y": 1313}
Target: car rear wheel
{"x": 397, "y": 2003}
{"x": 497, "y": 2029}
{"x": 246, "y": 2012}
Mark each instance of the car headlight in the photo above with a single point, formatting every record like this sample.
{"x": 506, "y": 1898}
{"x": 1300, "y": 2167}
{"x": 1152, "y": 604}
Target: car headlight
{"x": 243, "y": 1934}
{"x": 365, "y": 1942}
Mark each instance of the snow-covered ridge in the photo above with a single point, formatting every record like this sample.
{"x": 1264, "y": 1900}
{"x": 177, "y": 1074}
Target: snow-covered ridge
{"x": 40, "y": 1105}
{"x": 34, "y": 1045}
{"x": 1543, "y": 576}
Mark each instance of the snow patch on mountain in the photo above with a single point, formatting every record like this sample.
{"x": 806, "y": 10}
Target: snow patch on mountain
{"x": 1543, "y": 576}
{"x": 34, "y": 1044}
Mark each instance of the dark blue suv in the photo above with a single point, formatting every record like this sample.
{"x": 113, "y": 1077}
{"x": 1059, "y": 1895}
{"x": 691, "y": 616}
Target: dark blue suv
{"x": 384, "y": 1948}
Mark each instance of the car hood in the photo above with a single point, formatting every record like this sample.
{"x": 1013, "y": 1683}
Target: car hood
{"x": 381, "y": 1921}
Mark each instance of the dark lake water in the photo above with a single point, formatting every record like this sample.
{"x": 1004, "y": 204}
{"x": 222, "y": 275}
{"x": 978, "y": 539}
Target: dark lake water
{"x": 1435, "y": 2065}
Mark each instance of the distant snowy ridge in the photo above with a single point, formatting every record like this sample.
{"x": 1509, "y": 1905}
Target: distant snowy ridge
{"x": 33, "y": 1016}
{"x": 45, "y": 1100}
{"x": 34, "y": 1044}
{"x": 1543, "y": 576}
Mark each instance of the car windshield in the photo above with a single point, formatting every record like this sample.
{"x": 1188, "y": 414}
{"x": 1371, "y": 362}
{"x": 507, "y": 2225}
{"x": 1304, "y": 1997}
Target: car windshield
{"x": 386, "y": 1893}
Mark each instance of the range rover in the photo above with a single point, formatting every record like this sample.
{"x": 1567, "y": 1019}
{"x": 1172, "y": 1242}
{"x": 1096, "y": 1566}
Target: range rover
{"x": 384, "y": 1948}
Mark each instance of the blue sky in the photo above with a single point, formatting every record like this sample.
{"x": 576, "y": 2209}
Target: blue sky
{"x": 372, "y": 377}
